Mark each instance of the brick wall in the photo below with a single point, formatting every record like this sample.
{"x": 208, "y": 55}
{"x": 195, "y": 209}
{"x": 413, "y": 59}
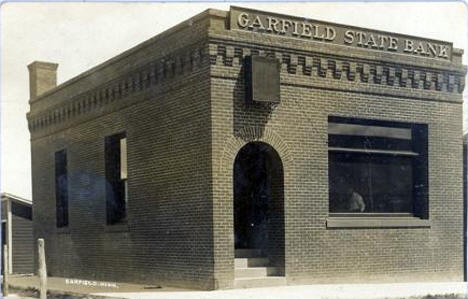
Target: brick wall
{"x": 297, "y": 129}
{"x": 166, "y": 117}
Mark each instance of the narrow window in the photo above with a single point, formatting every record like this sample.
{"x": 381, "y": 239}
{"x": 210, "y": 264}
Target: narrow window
{"x": 61, "y": 188}
{"x": 116, "y": 176}
{"x": 377, "y": 167}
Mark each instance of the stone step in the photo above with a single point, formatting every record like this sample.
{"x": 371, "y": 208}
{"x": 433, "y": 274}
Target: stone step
{"x": 251, "y": 262}
{"x": 248, "y": 253}
{"x": 254, "y": 272}
{"x": 270, "y": 281}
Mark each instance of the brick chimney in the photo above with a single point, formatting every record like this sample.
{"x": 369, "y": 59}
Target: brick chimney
{"x": 42, "y": 78}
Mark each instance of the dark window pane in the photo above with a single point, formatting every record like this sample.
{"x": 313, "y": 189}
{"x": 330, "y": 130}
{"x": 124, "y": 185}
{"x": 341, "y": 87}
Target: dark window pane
{"x": 115, "y": 186}
{"x": 349, "y": 182}
{"x": 61, "y": 188}
{"x": 392, "y": 184}
{"x": 365, "y": 183}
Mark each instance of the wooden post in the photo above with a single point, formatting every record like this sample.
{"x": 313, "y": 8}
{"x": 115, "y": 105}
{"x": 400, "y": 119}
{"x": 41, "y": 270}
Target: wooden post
{"x": 5, "y": 271}
{"x": 42, "y": 271}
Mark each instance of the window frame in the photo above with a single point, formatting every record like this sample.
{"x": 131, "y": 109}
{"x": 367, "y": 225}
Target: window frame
{"x": 115, "y": 184}
{"x": 419, "y": 216}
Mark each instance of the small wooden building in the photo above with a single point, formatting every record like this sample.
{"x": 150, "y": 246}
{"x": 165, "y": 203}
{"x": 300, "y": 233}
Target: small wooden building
{"x": 17, "y": 233}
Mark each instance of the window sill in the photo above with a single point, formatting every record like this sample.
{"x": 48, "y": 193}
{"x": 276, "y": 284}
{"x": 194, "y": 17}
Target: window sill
{"x": 116, "y": 228}
{"x": 63, "y": 230}
{"x": 376, "y": 222}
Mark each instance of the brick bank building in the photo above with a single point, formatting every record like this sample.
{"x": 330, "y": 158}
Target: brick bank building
{"x": 244, "y": 148}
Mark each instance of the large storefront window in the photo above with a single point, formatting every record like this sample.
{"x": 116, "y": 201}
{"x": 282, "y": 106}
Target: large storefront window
{"x": 377, "y": 167}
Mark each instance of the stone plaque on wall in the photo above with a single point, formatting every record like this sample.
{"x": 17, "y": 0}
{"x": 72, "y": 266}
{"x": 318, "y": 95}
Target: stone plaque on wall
{"x": 263, "y": 79}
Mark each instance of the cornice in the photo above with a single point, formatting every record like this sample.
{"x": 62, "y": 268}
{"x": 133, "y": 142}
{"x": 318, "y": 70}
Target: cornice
{"x": 304, "y": 64}
{"x": 358, "y": 71}
{"x": 152, "y": 75}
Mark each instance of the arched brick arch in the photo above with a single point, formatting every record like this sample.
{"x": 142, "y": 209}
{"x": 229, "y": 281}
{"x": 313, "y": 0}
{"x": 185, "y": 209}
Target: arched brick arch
{"x": 249, "y": 134}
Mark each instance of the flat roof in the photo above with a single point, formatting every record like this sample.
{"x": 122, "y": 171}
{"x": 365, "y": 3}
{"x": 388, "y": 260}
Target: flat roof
{"x": 8, "y": 196}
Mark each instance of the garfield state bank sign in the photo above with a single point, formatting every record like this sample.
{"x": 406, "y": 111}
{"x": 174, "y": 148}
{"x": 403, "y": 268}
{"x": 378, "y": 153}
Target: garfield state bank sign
{"x": 252, "y": 20}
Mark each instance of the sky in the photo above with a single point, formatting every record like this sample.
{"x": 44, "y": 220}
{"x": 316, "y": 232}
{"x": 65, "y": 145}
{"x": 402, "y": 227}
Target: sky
{"x": 81, "y": 35}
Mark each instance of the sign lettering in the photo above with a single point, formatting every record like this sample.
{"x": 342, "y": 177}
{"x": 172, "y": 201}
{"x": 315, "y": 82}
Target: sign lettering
{"x": 257, "y": 21}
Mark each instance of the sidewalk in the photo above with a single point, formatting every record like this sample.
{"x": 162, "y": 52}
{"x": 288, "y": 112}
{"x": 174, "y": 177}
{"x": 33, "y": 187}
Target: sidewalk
{"x": 319, "y": 291}
{"x": 335, "y": 291}
{"x": 83, "y": 287}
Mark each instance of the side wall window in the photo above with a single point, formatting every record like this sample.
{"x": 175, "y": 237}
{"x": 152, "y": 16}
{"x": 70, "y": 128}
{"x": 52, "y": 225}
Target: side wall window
{"x": 377, "y": 167}
{"x": 61, "y": 188}
{"x": 116, "y": 177}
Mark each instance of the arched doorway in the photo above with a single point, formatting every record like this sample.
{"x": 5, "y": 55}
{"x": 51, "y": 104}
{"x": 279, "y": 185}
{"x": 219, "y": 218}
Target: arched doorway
{"x": 259, "y": 201}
